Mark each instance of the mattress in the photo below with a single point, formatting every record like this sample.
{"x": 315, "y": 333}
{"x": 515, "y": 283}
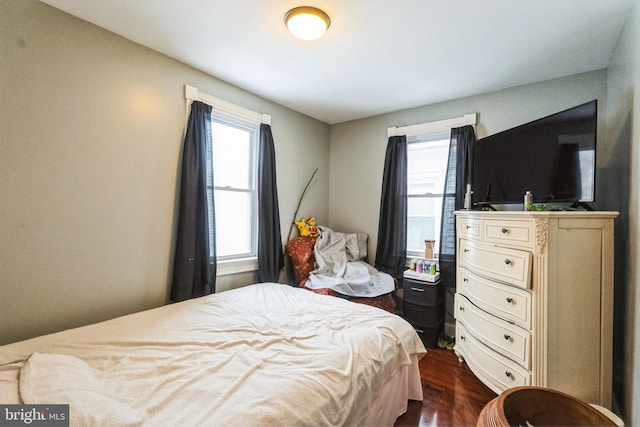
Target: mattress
{"x": 262, "y": 355}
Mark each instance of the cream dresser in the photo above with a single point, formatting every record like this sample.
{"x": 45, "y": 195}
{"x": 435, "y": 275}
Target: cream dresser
{"x": 534, "y": 300}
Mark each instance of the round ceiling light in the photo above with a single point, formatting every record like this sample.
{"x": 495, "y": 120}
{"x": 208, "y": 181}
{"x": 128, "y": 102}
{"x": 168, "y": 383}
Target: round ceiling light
{"x": 306, "y": 22}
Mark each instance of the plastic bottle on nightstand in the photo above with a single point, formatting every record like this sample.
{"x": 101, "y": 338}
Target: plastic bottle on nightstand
{"x": 432, "y": 269}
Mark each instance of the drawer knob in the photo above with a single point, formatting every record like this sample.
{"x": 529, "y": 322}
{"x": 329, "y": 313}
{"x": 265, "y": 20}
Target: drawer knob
{"x": 461, "y": 308}
{"x": 465, "y": 280}
{"x": 507, "y": 337}
{"x": 466, "y": 250}
{"x": 468, "y": 227}
{"x": 462, "y": 338}
{"x": 508, "y": 374}
{"x": 508, "y": 261}
{"x": 509, "y": 300}
{"x": 504, "y": 230}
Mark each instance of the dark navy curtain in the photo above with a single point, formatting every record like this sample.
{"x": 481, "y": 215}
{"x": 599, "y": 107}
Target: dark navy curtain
{"x": 270, "y": 255}
{"x": 459, "y": 174}
{"x": 391, "y": 250}
{"x": 194, "y": 269}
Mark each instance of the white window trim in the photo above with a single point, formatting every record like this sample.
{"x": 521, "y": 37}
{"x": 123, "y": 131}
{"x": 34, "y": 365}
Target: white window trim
{"x": 433, "y": 127}
{"x": 193, "y": 94}
{"x": 237, "y": 265}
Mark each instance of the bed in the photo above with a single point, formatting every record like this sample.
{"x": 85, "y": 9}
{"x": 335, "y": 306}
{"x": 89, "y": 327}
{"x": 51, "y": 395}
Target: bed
{"x": 263, "y": 355}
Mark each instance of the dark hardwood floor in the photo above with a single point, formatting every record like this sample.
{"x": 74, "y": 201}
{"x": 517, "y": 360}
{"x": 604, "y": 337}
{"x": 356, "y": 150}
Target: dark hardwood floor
{"x": 453, "y": 396}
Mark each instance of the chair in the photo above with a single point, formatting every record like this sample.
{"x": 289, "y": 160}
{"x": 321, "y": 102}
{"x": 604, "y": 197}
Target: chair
{"x": 301, "y": 261}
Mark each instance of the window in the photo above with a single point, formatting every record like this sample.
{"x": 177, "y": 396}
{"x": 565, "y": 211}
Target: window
{"x": 427, "y": 156}
{"x": 233, "y": 161}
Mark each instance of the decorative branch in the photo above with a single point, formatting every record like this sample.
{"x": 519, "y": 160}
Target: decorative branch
{"x": 295, "y": 215}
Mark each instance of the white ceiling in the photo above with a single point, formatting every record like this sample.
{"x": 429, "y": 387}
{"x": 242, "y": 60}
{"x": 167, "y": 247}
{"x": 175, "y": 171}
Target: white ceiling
{"x": 378, "y": 55}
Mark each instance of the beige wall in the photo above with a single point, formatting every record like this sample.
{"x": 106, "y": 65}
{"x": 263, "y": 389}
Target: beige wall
{"x": 90, "y": 134}
{"x": 623, "y": 135}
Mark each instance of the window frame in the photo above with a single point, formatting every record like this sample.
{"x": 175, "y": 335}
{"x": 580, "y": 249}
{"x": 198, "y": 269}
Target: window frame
{"x": 426, "y": 138}
{"x": 226, "y": 119}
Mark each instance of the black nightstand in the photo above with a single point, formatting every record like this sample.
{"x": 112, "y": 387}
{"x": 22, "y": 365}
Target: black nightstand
{"x": 423, "y": 307}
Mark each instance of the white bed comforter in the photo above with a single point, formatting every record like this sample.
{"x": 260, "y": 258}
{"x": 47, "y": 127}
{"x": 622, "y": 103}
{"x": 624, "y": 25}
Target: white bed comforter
{"x": 262, "y": 355}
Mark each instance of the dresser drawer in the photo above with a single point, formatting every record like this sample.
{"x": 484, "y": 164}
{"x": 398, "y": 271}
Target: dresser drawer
{"x": 422, "y": 293}
{"x": 512, "y": 233}
{"x": 469, "y": 228}
{"x": 511, "y": 266}
{"x": 495, "y": 370}
{"x": 510, "y": 340}
{"x": 508, "y": 302}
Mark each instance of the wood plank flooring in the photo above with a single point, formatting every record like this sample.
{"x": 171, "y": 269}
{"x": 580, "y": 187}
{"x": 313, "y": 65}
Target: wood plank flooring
{"x": 453, "y": 396}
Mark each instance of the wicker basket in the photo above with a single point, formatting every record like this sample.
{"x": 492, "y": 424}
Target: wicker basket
{"x": 537, "y": 406}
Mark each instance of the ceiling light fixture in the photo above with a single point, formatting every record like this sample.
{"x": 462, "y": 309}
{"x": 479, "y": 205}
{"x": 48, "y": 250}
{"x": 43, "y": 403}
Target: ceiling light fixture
{"x": 306, "y": 22}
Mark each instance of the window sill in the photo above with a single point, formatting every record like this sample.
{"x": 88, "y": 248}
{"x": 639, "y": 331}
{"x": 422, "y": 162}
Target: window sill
{"x": 237, "y": 265}
{"x": 420, "y": 255}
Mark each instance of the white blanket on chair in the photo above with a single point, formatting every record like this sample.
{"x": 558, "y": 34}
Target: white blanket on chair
{"x": 339, "y": 266}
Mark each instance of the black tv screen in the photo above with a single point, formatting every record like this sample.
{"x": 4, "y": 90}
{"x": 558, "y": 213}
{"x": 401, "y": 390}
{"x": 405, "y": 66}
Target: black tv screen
{"x": 552, "y": 157}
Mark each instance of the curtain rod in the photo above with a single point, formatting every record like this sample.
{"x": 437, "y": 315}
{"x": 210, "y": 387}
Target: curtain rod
{"x": 193, "y": 94}
{"x": 439, "y": 126}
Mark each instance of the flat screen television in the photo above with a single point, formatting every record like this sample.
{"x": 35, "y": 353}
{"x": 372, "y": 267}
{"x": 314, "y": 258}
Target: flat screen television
{"x": 552, "y": 157}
